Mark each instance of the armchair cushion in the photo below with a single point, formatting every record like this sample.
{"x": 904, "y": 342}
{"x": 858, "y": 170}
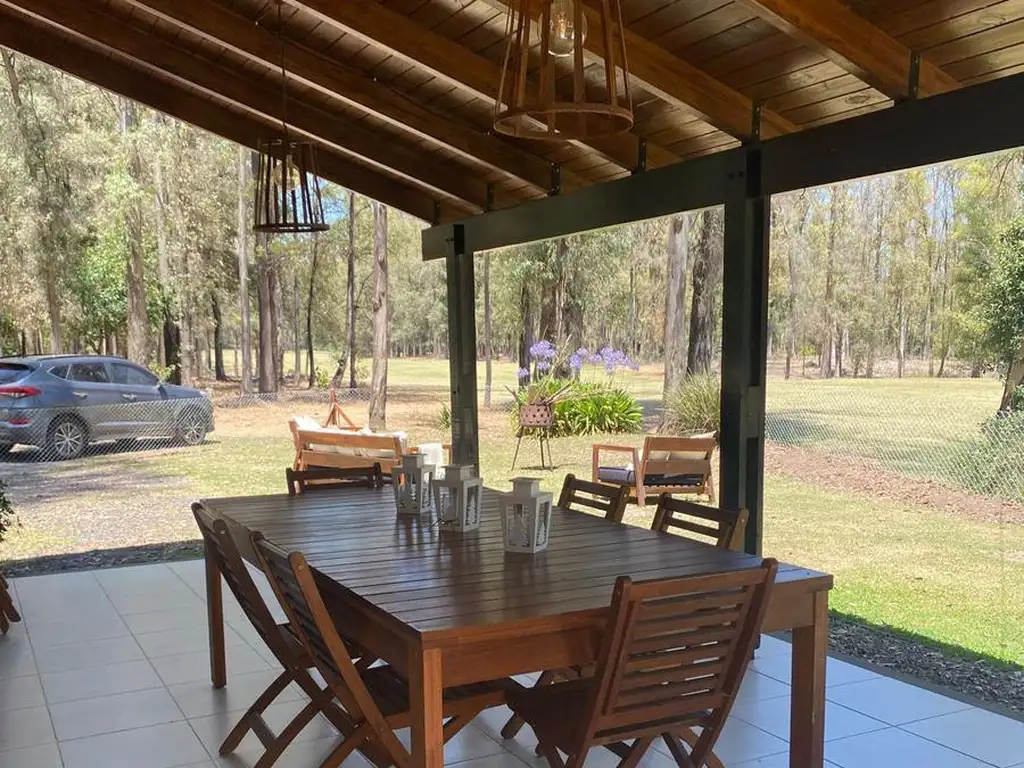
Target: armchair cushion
{"x": 627, "y": 476}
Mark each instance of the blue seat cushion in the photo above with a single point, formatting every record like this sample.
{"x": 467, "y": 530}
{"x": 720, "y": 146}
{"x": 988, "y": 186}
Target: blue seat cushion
{"x": 623, "y": 476}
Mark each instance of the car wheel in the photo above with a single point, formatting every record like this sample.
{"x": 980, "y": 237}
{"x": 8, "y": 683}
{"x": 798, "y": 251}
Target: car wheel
{"x": 68, "y": 437}
{"x": 191, "y": 428}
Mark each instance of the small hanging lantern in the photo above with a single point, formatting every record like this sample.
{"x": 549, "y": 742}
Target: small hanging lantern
{"x": 457, "y": 498}
{"x": 526, "y": 517}
{"x": 529, "y": 103}
{"x": 288, "y": 198}
{"x": 411, "y": 484}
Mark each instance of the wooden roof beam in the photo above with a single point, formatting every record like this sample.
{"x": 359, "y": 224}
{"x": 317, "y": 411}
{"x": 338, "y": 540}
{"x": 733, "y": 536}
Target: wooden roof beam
{"x": 855, "y": 44}
{"x": 395, "y": 32}
{"x": 678, "y": 82}
{"x": 226, "y": 28}
{"x": 331, "y": 128}
{"x": 44, "y": 43}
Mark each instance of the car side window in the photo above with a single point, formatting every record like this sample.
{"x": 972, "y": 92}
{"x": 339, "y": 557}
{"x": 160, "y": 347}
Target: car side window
{"x": 60, "y": 371}
{"x": 92, "y": 373}
{"x": 129, "y": 374}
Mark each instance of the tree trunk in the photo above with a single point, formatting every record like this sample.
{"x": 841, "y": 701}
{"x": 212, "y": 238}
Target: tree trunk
{"x": 379, "y": 377}
{"x": 488, "y": 343}
{"x": 170, "y": 355}
{"x": 707, "y": 274}
{"x": 218, "y": 341}
{"x": 526, "y": 338}
{"x": 351, "y": 291}
{"x": 1014, "y": 379}
{"x": 276, "y": 315}
{"x": 297, "y": 325}
{"x": 678, "y": 252}
{"x": 311, "y": 363}
{"x": 828, "y": 352}
{"x": 901, "y": 344}
{"x": 246, "y": 160}
{"x": 267, "y": 366}
{"x": 135, "y": 269}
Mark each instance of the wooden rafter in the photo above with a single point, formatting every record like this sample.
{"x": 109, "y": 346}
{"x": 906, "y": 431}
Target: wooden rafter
{"x": 79, "y": 58}
{"x": 855, "y": 44}
{"x": 395, "y": 32}
{"x": 680, "y": 83}
{"x": 226, "y": 28}
{"x": 329, "y": 127}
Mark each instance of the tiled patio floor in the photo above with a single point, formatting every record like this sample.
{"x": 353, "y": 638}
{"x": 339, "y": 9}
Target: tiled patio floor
{"x": 110, "y": 670}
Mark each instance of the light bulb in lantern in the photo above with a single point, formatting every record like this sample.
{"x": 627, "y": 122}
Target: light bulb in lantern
{"x": 562, "y": 28}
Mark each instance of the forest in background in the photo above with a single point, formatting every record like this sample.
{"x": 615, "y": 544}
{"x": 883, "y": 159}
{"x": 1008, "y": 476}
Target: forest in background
{"x": 126, "y": 232}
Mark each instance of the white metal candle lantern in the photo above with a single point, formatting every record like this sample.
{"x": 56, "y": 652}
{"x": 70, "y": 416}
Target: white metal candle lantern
{"x": 457, "y": 498}
{"x": 411, "y": 483}
{"x": 526, "y": 517}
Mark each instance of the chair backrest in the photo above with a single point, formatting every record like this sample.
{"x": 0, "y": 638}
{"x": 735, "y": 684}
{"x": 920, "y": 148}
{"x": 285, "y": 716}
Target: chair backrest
{"x": 677, "y": 455}
{"x": 610, "y": 500}
{"x": 318, "y": 478}
{"x": 674, "y": 654}
{"x": 722, "y": 527}
{"x": 340, "y": 449}
{"x": 295, "y": 586}
{"x": 221, "y": 546}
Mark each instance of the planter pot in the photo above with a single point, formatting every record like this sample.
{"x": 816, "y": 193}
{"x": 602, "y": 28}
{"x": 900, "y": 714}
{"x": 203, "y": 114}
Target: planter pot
{"x": 536, "y": 415}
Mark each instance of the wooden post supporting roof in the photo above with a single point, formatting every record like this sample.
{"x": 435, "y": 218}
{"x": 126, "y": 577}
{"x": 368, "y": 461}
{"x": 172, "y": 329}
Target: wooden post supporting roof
{"x": 462, "y": 356}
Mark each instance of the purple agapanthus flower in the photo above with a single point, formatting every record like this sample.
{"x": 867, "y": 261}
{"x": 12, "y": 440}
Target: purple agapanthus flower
{"x": 523, "y": 373}
{"x": 543, "y": 366}
{"x": 575, "y": 362}
{"x": 543, "y": 350}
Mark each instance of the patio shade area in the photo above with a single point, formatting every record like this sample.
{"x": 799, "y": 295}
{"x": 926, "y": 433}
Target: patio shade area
{"x": 114, "y": 683}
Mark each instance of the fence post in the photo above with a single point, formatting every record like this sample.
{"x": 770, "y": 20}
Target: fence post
{"x": 462, "y": 352}
{"x": 744, "y": 343}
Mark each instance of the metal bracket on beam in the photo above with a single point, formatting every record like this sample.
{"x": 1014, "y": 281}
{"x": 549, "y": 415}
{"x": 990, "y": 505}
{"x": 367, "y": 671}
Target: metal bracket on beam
{"x": 556, "y": 180}
{"x": 755, "y": 122}
{"x": 455, "y": 242}
{"x": 641, "y": 155}
{"x": 489, "y": 200}
{"x": 914, "y": 81}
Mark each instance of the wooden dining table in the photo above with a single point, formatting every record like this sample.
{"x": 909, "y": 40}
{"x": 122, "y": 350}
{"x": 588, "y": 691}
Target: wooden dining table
{"x": 449, "y": 608}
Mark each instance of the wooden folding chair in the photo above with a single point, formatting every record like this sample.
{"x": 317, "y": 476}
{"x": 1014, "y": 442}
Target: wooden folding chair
{"x": 724, "y": 528}
{"x": 288, "y": 651}
{"x": 610, "y": 500}
{"x": 677, "y": 465}
{"x": 301, "y": 480}
{"x": 8, "y": 613}
{"x": 672, "y": 659}
{"x": 375, "y": 700}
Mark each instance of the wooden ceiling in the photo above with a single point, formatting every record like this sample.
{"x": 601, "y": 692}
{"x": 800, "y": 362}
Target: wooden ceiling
{"x": 399, "y": 93}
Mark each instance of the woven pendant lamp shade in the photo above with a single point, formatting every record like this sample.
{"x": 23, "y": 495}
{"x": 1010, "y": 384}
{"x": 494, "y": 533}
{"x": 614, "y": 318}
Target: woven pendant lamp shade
{"x": 545, "y": 45}
{"x": 288, "y": 197}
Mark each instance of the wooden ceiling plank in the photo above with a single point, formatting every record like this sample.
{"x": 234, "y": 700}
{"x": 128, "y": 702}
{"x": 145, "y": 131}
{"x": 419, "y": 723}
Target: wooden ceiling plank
{"x": 329, "y": 127}
{"x": 44, "y": 43}
{"x": 385, "y": 28}
{"x": 854, "y": 43}
{"x": 236, "y": 33}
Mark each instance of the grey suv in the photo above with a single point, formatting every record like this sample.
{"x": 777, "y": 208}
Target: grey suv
{"x": 61, "y": 403}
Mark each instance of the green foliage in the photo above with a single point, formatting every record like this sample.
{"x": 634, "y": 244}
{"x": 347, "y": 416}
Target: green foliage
{"x": 8, "y": 519}
{"x": 444, "y": 416}
{"x": 992, "y": 462}
{"x": 694, "y": 406}
{"x": 1003, "y": 305}
{"x": 163, "y": 372}
{"x": 588, "y": 408}
{"x": 321, "y": 378}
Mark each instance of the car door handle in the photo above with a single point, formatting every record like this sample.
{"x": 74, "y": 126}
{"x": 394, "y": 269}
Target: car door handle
{"x": 80, "y": 395}
{"x": 127, "y": 396}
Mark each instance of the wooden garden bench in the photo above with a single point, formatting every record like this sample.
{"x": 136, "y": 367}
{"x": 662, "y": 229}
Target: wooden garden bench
{"x": 674, "y": 465}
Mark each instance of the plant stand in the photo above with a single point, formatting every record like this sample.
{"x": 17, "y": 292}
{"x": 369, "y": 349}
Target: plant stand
{"x": 8, "y": 613}
{"x": 539, "y": 418}
{"x": 336, "y": 415}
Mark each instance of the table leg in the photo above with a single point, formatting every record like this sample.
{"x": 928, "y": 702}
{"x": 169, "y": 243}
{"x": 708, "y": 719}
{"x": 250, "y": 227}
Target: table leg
{"x": 807, "y": 717}
{"x": 425, "y": 692}
{"x": 215, "y": 616}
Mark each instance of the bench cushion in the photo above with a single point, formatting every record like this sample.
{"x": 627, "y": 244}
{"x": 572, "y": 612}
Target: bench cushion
{"x": 626, "y": 476}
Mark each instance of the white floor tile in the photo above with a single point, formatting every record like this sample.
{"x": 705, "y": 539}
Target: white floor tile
{"x": 159, "y": 746}
{"x": 757, "y": 687}
{"x": 121, "y": 712}
{"x": 895, "y": 748}
{"x": 21, "y": 693}
{"x": 893, "y": 701}
{"x": 837, "y": 672}
{"x": 990, "y": 737}
{"x": 100, "y": 681}
{"x": 43, "y": 756}
{"x": 175, "y": 641}
{"x": 201, "y": 699}
{"x": 21, "y": 728}
{"x": 772, "y": 715}
{"x": 88, "y": 655}
{"x": 195, "y": 666}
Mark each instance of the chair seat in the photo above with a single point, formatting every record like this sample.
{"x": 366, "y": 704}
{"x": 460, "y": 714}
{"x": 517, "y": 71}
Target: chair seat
{"x": 625, "y": 476}
{"x": 391, "y": 693}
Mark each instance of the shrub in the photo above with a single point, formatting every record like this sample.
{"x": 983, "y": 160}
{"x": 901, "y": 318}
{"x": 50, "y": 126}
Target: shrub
{"x": 992, "y": 461}
{"x": 321, "y": 379}
{"x": 8, "y": 519}
{"x": 587, "y": 409}
{"x": 444, "y": 417}
{"x": 694, "y": 406}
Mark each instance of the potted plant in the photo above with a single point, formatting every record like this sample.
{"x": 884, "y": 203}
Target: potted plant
{"x": 8, "y": 520}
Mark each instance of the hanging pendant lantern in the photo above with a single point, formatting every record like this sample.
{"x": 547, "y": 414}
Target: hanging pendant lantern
{"x": 288, "y": 198}
{"x": 530, "y": 104}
